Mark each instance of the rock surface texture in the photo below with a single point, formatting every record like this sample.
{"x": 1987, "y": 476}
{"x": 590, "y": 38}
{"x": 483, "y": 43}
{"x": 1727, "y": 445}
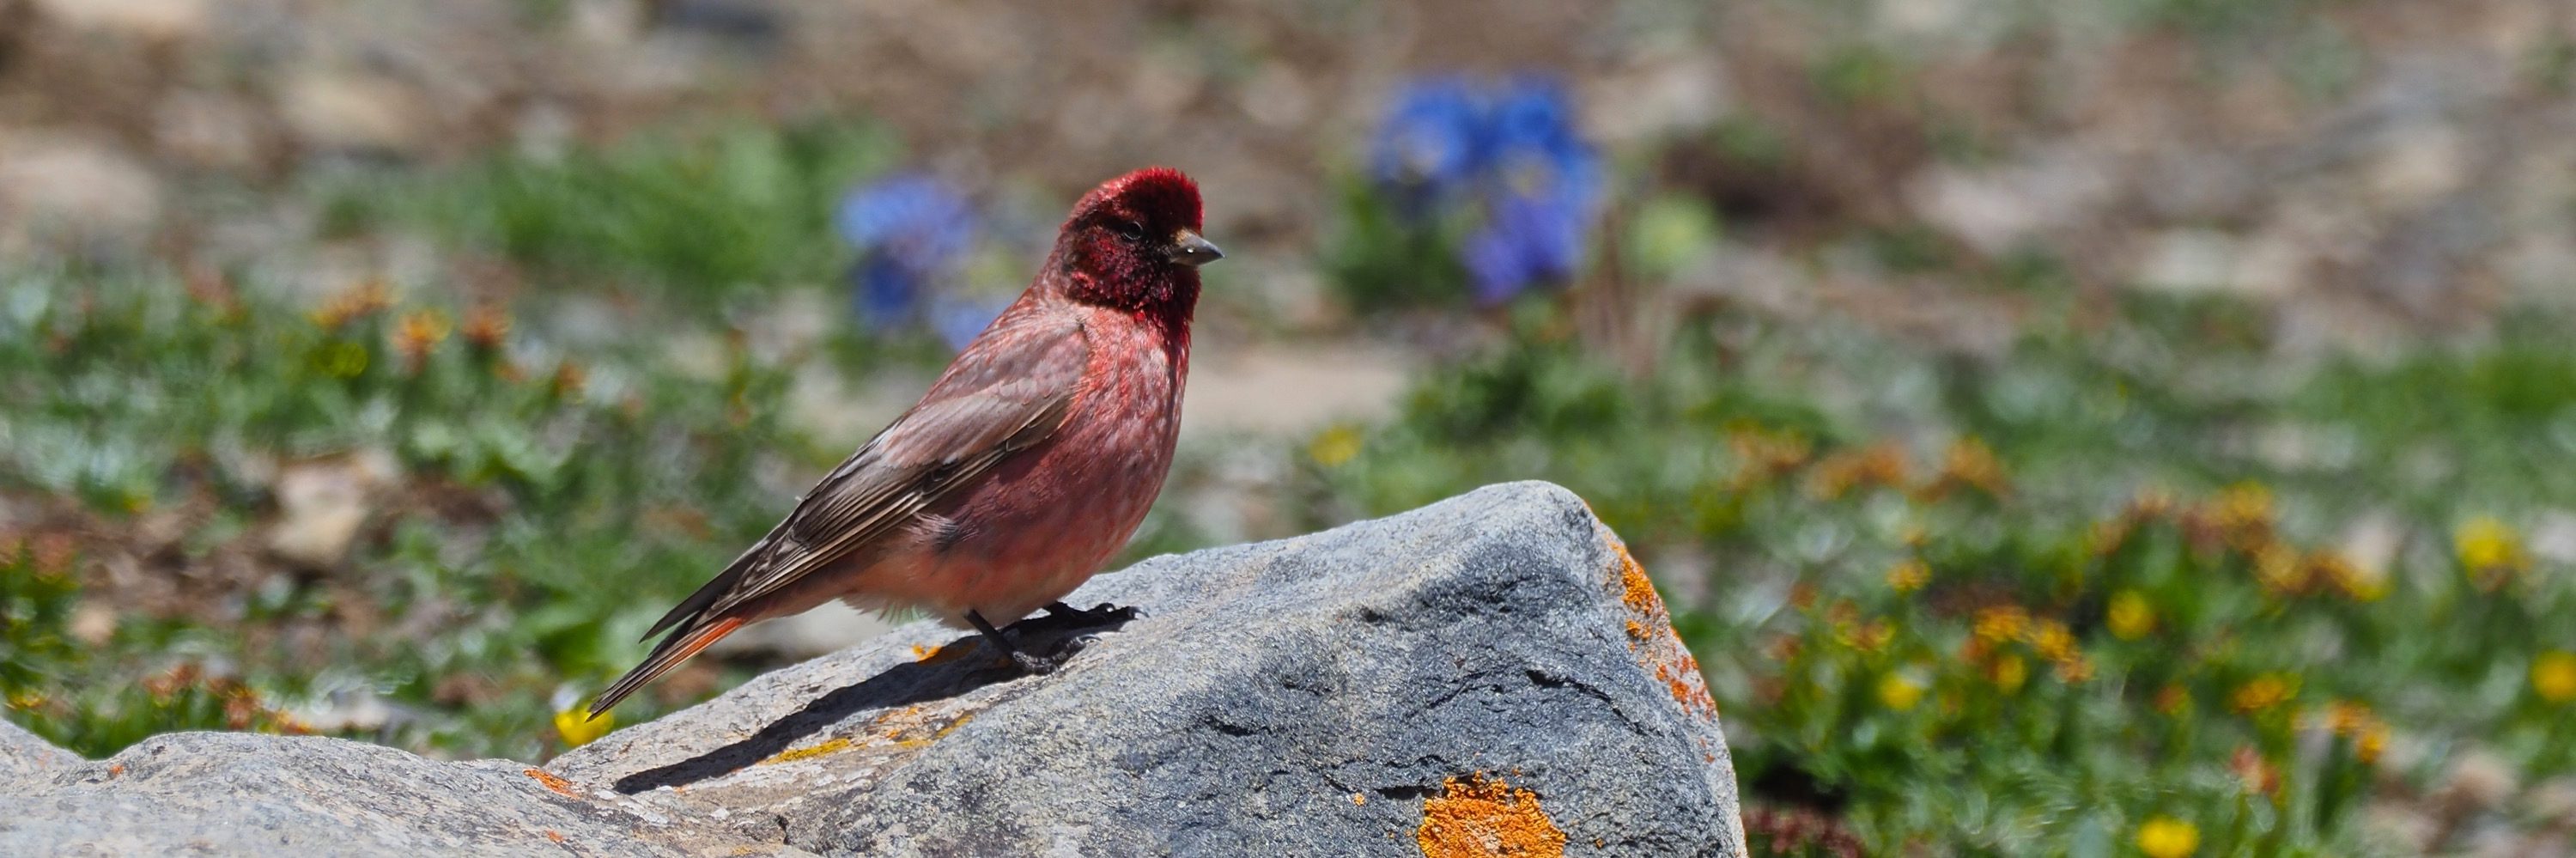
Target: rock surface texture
{"x": 1490, "y": 675}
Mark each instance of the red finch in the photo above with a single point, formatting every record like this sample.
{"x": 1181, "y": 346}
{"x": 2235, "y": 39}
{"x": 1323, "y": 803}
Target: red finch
{"x": 1031, "y": 459}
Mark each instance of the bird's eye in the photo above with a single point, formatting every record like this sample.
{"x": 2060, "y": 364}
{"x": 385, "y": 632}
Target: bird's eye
{"x": 1132, "y": 230}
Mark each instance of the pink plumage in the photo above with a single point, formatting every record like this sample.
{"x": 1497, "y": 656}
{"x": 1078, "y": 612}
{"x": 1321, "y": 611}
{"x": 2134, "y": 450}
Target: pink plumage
{"x": 1030, "y": 461}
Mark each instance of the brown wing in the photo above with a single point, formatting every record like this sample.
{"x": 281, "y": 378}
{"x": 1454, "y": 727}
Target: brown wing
{"x": 1007, "y": 392}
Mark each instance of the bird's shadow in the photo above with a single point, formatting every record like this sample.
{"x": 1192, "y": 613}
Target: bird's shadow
{"x": 954, "y": 670}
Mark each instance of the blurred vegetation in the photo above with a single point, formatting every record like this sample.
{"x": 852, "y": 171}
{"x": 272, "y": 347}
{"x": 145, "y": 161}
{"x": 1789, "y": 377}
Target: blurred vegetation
{"x": 704, "y": 211}
{"x": 2136, "y": 578}
{"x": 2064, "y": 588}
{"x": 538, "y": 495}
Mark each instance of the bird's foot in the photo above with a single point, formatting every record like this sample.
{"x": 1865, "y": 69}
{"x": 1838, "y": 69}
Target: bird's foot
{"x": 1100, "y": 614}
{"x": 1055, "y": 661}
{"x": 994, "y": 638}
{"x": 1035, "y": 666}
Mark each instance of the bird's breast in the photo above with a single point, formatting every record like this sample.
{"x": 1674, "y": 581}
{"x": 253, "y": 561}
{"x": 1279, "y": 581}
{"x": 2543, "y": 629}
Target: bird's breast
{"x": 1079, "y": 494}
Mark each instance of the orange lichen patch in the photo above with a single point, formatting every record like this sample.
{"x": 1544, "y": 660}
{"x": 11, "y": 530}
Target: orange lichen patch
{"x": 1480, "y": 817}
{"x": 556, "y": 836}
{"x": 1687, "y": 685}
{"x": 559, "y": 785}
{"x": 1650, "y": 634}
{"x": 1638, "y": 590}
{"x": 1359, "y": 798}
{"x": 116, "y": 770}
{"x": 912, "y": 726}
{"x": 808, "y": 752}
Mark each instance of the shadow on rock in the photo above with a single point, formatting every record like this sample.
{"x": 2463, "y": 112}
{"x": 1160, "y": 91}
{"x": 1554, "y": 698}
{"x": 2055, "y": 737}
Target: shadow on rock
{"x": 954, "y": 670}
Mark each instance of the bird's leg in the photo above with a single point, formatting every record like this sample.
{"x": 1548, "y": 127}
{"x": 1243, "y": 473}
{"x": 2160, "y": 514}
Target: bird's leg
{"x": 1027, "y": 662}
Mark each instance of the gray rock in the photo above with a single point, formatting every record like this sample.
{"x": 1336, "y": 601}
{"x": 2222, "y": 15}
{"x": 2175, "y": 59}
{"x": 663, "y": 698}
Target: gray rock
{"x": 1316, "y": 696}
{"x": 24, "y": 756}
{"x": 1492, "y": 671}
{"x": 241, "y": 794}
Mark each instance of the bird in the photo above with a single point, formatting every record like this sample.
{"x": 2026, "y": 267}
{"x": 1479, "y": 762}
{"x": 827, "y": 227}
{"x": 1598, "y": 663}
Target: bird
{"x": 1028, "y": 463}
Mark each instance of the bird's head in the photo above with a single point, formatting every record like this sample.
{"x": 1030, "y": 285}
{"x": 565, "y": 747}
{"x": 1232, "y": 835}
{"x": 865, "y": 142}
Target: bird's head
{"x": 1134, "y": 243}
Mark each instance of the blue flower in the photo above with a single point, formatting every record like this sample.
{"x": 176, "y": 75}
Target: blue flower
{"x": 1432, "y": 142}
{"x": 1511, "y": 157}
{"x": 912, "y": 232}
{"x": 1536, "y": 150}
{"x": 1525, "y": 241}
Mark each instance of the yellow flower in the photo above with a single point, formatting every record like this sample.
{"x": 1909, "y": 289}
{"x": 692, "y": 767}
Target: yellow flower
{"x": 365, "y": 299}
{"x": 2277, "y": 567}
{"x": 1335, "y": 446}
{"x": 418, "y": 332}
{"x": 2052, "y": 640}
{"x": 1971, "y": 463}
{"x": 2009, "y": 672}
{"x": 577, "y": 727}
{"x": 2489, "y": 549}
{"x": 2131, "y": 616}
{"x": 2002, "y": 623}
{"x": 1909, "y": 576}
{"x": 2372, "y": 739}
{"x": 2553, "y": 676}
{"x": 1880, "y": 464}
{"x": 2263, "y": 692}
{"x": 2244, "y": 505}
{"x": 2167, "y": 837}
{"x": 1899, "y": 692}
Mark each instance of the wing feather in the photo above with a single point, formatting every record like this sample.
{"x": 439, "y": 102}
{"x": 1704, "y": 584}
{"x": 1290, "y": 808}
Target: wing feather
{"x": 1008, "y": 392}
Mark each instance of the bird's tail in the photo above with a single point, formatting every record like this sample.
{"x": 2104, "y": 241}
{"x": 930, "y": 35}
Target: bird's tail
{"x": 673, "y": 650}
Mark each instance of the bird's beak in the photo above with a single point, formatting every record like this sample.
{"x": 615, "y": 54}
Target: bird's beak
{"x": 1189, "y": 248}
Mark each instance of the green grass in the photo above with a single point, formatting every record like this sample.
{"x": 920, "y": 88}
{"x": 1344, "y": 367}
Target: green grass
{"x": 545, "y": 507}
